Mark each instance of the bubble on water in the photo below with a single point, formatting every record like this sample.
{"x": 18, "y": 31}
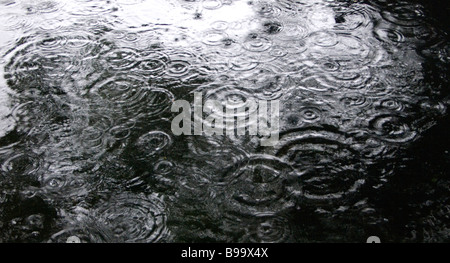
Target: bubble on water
{"x": 53, "y": 183}
{"x": 73, "y": 239}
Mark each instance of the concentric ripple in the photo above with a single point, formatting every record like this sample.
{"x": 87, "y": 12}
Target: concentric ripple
{"x": 152, "y": 143}
{"x": 122, "y": 59}
{"x": 353, "y": 18}
{"x": 328, "y": 166}
{"x": 153, "y": 63}
{"x": 134, "y": 96}
{"x": 392, "y": 128}
{"x": 256, "y": 43}
{"x": 407, "y": 15}
{"x": 271, "y": 229}
{"x": 134, "y": 218}
{"x": 22, "y": 164}
{"x": 259, "y": 184}
{"x": 236, "y": 101}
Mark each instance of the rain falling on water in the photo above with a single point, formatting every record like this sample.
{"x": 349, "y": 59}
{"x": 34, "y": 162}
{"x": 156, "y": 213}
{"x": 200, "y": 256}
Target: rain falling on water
{"x": 86, "y": 147}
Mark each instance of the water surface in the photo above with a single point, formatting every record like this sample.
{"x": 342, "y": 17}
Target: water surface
{"x": 86, "y": 147}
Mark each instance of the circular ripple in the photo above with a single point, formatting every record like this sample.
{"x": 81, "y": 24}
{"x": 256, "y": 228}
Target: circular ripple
{"x": 243, "y": 63}
{"x": 256, "y": 43}
{"x": 404, "y": 15}
{"x": 181, "y": 64}
{"x": 152, "y": 143}
{"x": 87, "y": 233}
{"x": 329, "y": 65}
{"x": 212, "y": 4}
{"x": 21, "y": 164}
{"x": 90, "y": 7}
{"x": 271, "y": 229}
{"x": 122, "y": 59}
{"x": 214, "y": 38}
{"x": 341, "y": 80}
{"x": 48, "y": 6}
{"x": 92, "y": 137}
{"x": 324, "y": 39}
{"x": 354, "y": 100}
{"x": 163, "y": 167}
{"x": 153, "y": 63}
{"x": 134, "y": 96}
{"x": 14, "y": 22}
{"x": 268, "y": 10}
{"x": 392, "y": 104}
{"x": 310, "y": 114}
{"x": 293, "y": 31}
{"x": 278, "y": 51}
{"x": 332, "y": 183}
{"x": 259, "y": 184}
{"x": 328, "y": 166}
{"x": 389, "y": 35}
{"x": 178, "y": 68}
{"x": 229, "y": 98}
{"x": 220, "y": 25}
{"x": 134, "y": 218}
{"x": 353, "y": 18}
{"x": 265, "y": 84}
{"x": 392, "y": 129}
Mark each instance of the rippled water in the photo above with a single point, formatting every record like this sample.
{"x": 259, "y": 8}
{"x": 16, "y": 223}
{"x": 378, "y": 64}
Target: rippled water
{"x": 86, "y": 148}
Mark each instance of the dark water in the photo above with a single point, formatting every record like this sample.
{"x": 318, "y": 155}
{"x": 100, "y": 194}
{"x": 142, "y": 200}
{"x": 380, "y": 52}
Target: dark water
{"x": 86, "y": 147}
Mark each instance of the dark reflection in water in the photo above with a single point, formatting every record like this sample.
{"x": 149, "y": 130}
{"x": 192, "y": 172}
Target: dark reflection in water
{"x": 86, "y": 147}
